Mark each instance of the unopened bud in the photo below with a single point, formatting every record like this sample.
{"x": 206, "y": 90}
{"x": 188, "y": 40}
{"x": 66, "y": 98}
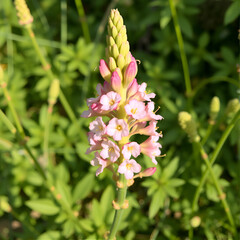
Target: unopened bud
{"x": 120, "y": 61}
{"x": 54, "y": 91}
{"x": 124, "y": 49}
{"x": 148, "y": 172}
{"x": 24, "y": 15}
{"x": 214, "y": 109}
{"x": 104, "y": 70}
{"x": 112, "y": 64}
{"x": 232, "y": 107}
{"x": 195, "y": 221}
{"x": 130, "y": 73}
{"x": 189, "y": 126}
{"x": 114, "y": 51}
{"x": 119, "y": 40}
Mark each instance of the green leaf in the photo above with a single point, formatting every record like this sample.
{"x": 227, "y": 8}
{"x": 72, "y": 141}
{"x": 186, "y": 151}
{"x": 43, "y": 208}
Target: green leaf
{"x": 170, "y": 169}
{"x": 157, "y": 202}
{"x": 83, "y": 188}
{"x": 106, "y": 200}
{"x": 96, "y": 213}
{"x": 176, "y": 182}
{"x": 50, "y": 235}
{"x": 64, "y": 190}
{"x": 186, "y": 26}
{"x": 86, "y": 224}
{"x": 68, "y": 228}
{"x": 232, "y": 12}
{"x": 43, "y": 206}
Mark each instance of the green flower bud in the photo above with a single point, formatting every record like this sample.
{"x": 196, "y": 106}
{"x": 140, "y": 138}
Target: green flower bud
{"x": 112, "y": 64}
{"x": 119, "y": 40}
{"x": 24, "y": 15}
{"x": 111, "y": 41}
{"x": 114, "y": 51}
{"x": 119, "y": 24}
{"x": 124, "y": 49}
{"x": 214, "y": 109}
{"x": 189, "y": 126}
{"x": 114, "y": 32}
{"x": 232, "y": 107}
{"x": 120, "y": 61}
{"x": 54, "y": 91}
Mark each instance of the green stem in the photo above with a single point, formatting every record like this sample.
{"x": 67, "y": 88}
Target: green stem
{"x": 8, "y": 123}
{"x": 208, "y": 133}
{"x": 13, "y": 111}
{"x": 63, "y": 22}
{"x": 46, "y": 135}
{"x": 221, "y": 194}
{"x": 121, "y": 196}
{"x": 181, "y": 48}
{"x": 212, "y": 160}
{"x": 83, "y": 21}
{"x": 49, "y": 72}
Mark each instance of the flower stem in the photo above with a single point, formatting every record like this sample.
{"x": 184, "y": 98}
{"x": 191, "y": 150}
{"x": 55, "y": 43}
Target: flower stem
{"x": 212, "y": 160}
{"x": 181, "y": 48}
{"x": 121, "y": 196}
{"x": 7, "y": 122}
{"x": 83, "y": 21}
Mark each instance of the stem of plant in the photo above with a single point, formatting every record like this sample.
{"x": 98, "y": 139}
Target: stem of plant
{"x": 83, "y": 21}
{"x": 181, "y": 49}
{"x": 212, "y": 160}
{"x": 121, "y": 196}
{"x": 221, "y": 194}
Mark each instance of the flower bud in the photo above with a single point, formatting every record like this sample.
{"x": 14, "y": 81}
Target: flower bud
{"x": 104, "y": 70}
{"x": 124, "y": 49}
{"x": 148, "y": 172}
{"x": 112, "y": 64}
{"x": 114, "y": 51}
{"x": 24, "y": 15}
{"x": 214, "y": 109}
{"x": 195, "y": 221}
{"x": 189, "y": 126}
{"x": 130, "y": 73}
{"x": 54, "y": 91}
{"x": 232, "y": 107}
{"x": 120, "y": 61}
{"x": 111, "y": 41}
{"x": 116, "y": 81}
{"x": 114, "y": 32}
{"x": 119, "y": 40}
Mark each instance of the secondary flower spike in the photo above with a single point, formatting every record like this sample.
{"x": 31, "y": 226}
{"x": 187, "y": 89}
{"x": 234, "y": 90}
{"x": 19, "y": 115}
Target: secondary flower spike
{"x": 122, "y": 109}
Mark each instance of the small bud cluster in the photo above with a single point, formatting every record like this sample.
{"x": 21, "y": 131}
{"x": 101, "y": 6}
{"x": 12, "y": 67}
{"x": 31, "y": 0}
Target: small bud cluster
{"x": 24, "y": 15}
{"x": 214, "y": 109}
{"x": 189, "y": 126}
{"x": 128, "y": 106}
{"x": 232, "y": 107}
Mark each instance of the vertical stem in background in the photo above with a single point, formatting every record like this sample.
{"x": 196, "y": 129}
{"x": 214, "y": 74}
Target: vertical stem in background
{"x": 83, "y": 21}
{"x": 63, "y": 23}
{"x": 212, "y": 160}
{"x": 222, "y": 195}
{"x": 181, "y": 49}
{"x": 10, "y": 53}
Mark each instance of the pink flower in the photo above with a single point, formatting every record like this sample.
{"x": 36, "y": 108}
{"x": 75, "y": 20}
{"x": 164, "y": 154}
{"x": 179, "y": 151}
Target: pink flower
{"x": 116, "y": 81}
{"x": 150, "y": 129}
{"x": 98, "y": 127}
{"x": 117, "y": 128}
{"x": 104, "y": 70}
{"x": 110, "y": 150}
{"x": 142, "y": 95}
{"x": 131, "y": 148}
{"x": 135, "y": 109}
{"x": 150, "y": 114}
{"x": 98, "y": 161}
{"x": 151, "y": 148}
{"x": 110, "y": 101}
{"x": 128, "y": 167}
{"x": 95, "y": 144}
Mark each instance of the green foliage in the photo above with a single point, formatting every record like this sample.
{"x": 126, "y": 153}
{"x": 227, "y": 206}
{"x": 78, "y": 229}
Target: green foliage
{"x": 73, "y": 203}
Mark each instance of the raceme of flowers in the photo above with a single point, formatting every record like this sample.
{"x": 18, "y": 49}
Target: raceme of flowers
{"x": 128, "y": 107}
